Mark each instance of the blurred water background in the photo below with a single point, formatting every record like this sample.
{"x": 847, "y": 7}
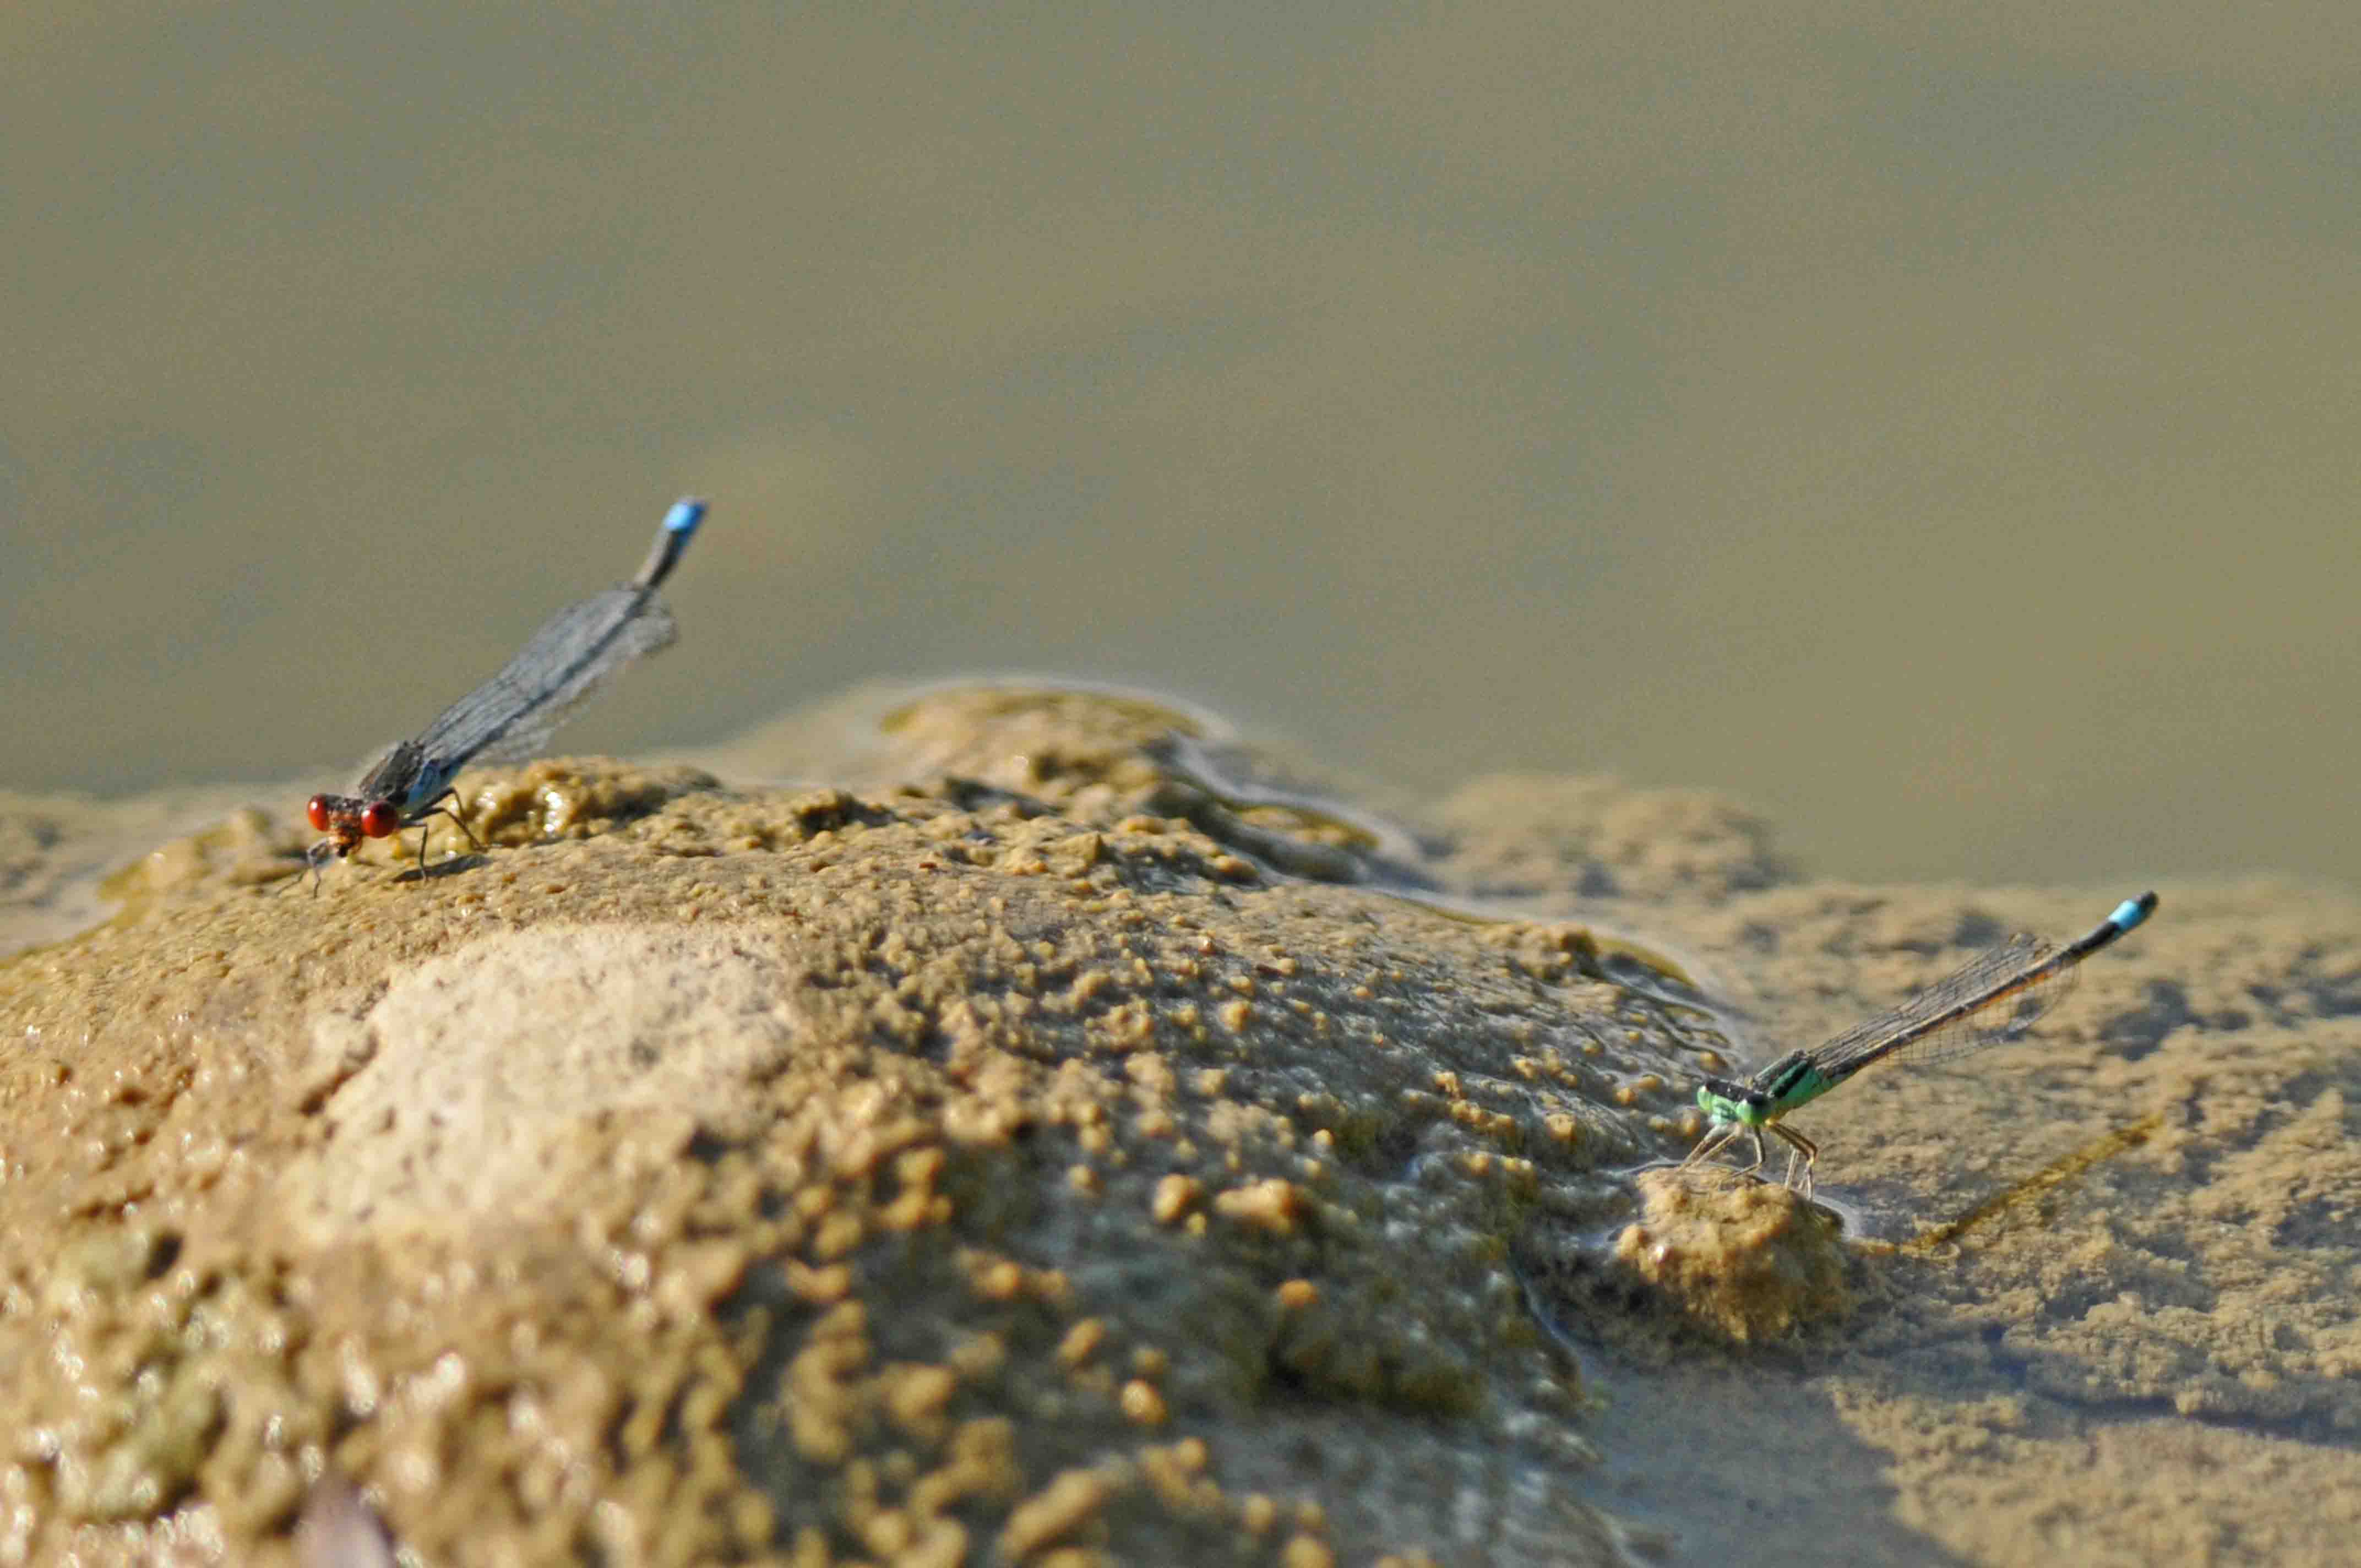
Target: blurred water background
{"x": 1934, "y": 428}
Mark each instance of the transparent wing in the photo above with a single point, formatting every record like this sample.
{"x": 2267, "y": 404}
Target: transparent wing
{"x": 1994, "y": 997}
{"x": 391, "y": 778}
{"x": 511, "y": 717}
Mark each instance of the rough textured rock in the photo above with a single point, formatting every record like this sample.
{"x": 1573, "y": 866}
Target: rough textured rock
{"x": 996, "y": 1162}
{"x": 1737, "y": 1260}
{"x": 1064, "y": 1134}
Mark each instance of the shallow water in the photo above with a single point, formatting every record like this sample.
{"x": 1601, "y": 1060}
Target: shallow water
{"x": 1930, "y": 426}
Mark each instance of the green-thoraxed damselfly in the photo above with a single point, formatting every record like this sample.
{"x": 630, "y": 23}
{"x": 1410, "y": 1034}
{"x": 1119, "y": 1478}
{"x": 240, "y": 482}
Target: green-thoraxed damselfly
{"x": 1994, "y": 997}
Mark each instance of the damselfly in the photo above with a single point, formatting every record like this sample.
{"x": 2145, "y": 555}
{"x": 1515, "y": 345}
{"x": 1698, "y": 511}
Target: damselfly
{"x": 1994, "y": 997}
{"x": 511, "y": 717}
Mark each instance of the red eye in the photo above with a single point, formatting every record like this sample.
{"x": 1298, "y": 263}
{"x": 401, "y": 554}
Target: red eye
{"x": 316, "y": 808}
{"x": 379, "y": 819}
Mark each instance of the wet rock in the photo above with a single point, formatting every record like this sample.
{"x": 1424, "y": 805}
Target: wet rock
{"x": 1738, "y": 1260}
{"x": 1060, "y": 1132}
{"x": 1034, "y": 1154}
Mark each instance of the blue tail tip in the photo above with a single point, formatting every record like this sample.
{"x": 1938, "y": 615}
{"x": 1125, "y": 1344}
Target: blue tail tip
{"x": 684, "y": 517}
{"x": 2131, "y": 910}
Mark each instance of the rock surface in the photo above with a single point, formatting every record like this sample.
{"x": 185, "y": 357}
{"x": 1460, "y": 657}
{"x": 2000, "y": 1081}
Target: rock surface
{"x": 1062, "y": 1135}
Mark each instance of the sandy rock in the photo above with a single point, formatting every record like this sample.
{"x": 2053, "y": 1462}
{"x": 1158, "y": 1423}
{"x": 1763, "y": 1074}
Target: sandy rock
{"x": 704, "y": 1172}
{"x": 1064, "y": 1135}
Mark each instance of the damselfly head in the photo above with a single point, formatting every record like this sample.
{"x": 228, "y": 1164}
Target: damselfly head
{"x": 342, "y": 821}
{"x": 346, "y": 820}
